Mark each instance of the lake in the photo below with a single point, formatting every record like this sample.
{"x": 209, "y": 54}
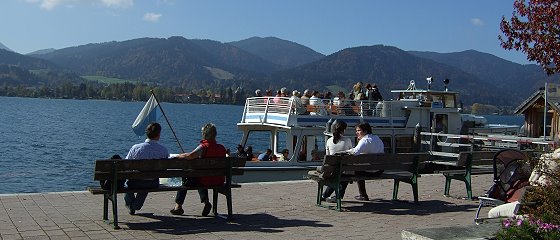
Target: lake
{"x": 50, "y": 145}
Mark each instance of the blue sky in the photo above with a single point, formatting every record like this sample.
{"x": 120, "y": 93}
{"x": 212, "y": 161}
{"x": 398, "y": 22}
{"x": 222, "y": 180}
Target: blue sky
{"x": 326, "y": 26}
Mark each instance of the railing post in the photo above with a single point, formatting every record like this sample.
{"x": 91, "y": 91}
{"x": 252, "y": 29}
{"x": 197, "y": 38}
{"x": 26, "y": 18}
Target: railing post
{"x": 266, "y": 109}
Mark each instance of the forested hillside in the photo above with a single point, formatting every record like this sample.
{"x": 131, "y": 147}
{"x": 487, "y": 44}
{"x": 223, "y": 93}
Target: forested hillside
{"x": 206, "y": 70}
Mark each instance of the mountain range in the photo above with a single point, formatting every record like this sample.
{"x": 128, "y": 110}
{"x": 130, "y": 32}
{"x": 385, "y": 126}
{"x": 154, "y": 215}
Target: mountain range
{"x": 272, "y": 63}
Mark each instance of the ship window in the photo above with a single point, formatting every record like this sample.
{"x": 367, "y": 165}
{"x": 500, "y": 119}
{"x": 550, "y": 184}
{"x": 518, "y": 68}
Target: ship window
{"x": 260, "y": 140}
{"x": 282, "y": 142}
{"x": 312, "y": 148}
{"x": 449, "y": 101}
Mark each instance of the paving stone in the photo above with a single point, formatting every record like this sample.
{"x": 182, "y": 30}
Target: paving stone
{"x": 284, "y": 210}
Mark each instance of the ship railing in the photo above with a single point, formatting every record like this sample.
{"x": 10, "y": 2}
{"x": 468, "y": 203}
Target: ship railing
{"x": 445, "y": 144}
{"x": 322, "y": 107}
{"x": 362, "y": 108}
{"x": 266, "y": 106}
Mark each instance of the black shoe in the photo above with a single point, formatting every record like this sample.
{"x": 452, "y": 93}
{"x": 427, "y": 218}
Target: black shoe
{"x": 362, "y": 198}
{"x": 207, "y": 208}
{"x": 131, "y": 210}
{"x": 331, "y": 200}
{"x": 179, "y": 211}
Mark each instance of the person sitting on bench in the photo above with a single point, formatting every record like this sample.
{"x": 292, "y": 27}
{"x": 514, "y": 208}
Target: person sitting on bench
{"x": 336, "y": 144}
{"x": 149, "y": 149}
{"x": 208, "y": 148}
{"x": 367, "y": 143}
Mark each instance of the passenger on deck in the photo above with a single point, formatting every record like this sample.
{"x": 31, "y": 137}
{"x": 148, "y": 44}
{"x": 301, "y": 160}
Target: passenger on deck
{"x": 240, "y": 152}
{"x": 339, "y": 99}
{"x": 208, "y": 148}
{"x": 283, "y": 92}
{"x": 284, "y": 156}
{"x": 367, "y": 143}
{"x": 305, "y": 97}
{"x": 276, "y": 98}
{"x": 357, "y": 93}
{"x": 316, "y": 101}
{"x": 336, "y": 144}
{"x": 265, "y": 156}
{"x": 249, "y": 152}
{"x": 373, "y": 93}
{"x": 149, "y": 149}
{"x": 328, "y": 96}
{"x": 258, "y": 93}
{"x": 297, "y": 105}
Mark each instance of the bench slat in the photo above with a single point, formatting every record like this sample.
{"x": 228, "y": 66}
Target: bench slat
{"x": 164, "y": 164}
{"x": 161, "y": 188}
{"x": 164, "y": 174}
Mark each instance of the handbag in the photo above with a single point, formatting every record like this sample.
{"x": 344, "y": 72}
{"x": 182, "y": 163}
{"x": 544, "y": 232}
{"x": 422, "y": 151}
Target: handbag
{"x": 106, "y": 184}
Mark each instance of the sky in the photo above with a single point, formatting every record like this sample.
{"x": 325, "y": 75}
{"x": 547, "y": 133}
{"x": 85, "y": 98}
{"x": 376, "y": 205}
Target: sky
{"x": 326, "y": 26}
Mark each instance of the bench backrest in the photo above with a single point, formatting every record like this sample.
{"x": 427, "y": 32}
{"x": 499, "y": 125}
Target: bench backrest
{"x": 165, "y": 168}
{"x": 476, "y": 158}
{"x": 365, "y": 162}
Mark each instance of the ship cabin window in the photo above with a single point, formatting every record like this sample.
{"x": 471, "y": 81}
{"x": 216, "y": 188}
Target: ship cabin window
{"x": 261, "y": 140}
{"x": 444, "y": 100}
{"x": 449, "y": 101}
{"x": 312, "y": 148}
{"x": 282, "y": 143}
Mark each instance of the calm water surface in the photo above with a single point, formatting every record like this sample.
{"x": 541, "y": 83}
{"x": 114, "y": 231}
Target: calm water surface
{"x": 50, "y": 145}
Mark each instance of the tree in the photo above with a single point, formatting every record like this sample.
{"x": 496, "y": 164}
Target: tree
{"x": 534, "y": 28}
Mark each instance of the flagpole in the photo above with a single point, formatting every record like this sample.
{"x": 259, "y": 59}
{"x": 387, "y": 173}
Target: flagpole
{"x": 167, "y": 120}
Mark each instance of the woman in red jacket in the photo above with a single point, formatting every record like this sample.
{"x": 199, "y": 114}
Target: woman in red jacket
{"x": 208, "y": 148}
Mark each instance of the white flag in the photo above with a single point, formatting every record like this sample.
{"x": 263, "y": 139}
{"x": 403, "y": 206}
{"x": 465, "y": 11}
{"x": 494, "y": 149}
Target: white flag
{"x": 150, "y": 113}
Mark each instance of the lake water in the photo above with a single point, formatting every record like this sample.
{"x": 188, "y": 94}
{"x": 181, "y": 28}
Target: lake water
{"x": 50, "y": 145}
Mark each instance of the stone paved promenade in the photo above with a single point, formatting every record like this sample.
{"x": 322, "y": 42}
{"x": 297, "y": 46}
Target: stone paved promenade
{"x": 262, "y": 211}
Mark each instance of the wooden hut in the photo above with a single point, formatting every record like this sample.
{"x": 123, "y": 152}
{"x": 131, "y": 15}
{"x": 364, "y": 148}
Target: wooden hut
{"x": 534, "y": 111}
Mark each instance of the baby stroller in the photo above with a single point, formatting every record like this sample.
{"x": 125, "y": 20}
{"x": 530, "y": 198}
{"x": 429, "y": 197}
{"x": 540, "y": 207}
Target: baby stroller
{"x": 511, "y": 176}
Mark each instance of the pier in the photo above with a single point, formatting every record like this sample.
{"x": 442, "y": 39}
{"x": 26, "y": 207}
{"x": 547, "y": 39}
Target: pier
{"x": 282, "y": 210}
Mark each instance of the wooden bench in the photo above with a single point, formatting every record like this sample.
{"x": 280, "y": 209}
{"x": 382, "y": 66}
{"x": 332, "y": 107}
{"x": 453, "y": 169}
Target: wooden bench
{"x": 120, "y": 169}
{"x": 401, "y": 167}
{"x": 461, "y": 166}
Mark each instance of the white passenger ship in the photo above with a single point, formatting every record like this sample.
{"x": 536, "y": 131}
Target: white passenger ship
{"x": 272, "y": 123}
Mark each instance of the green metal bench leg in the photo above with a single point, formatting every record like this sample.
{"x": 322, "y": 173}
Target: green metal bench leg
{"x": 229, "y": 204}
{"x": 338, "y": 197}
{"x": 115, "y": 212}
{"x": 395, "y": 189}
{"x": 215, "y": 201}
{"x": 468, "y": 186}
{"x": 105, "y": 206}
{"x": 319, "y": 192}
{"x": 447, "y": 185}
{"x": 415, "y": 189}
